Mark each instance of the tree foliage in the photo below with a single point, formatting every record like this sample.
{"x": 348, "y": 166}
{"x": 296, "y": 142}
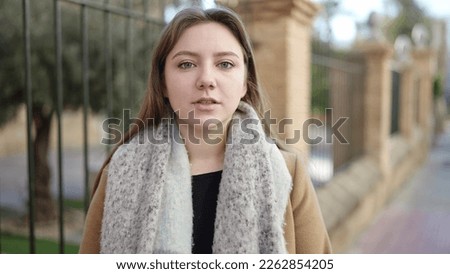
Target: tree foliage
{"x": 409, "y": 14}
{"x": 130, "y": 55}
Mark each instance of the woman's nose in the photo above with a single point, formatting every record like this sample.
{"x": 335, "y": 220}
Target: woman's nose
{"x": 206, "y": 79}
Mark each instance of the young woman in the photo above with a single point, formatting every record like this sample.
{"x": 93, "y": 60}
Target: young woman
{"x": 199, "y": 175}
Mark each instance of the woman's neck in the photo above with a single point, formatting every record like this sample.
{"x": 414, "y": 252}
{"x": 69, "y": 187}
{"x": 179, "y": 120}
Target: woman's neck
{"x": 206, "y": 151}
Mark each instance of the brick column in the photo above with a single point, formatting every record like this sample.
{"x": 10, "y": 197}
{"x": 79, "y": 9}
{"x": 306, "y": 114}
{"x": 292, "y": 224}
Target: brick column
{"x": 281, "y": 34}
{"x": 377, "y": 103}
{"x": 424, "y": 63}
{"x": 407, "y": 101}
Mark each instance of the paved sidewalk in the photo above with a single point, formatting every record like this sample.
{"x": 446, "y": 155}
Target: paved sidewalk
{"x": 14, "y": 193}
{"x": 417, "y": 220}
{"x": 14, "y": 176}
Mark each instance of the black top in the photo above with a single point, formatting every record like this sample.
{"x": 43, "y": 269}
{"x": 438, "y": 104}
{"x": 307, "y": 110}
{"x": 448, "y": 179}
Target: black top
{"x": 205, "y": 188}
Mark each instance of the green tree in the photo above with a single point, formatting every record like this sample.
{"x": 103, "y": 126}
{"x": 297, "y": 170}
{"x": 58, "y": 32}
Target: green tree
{"x": 43, "y": 72}
{"x": 409, "y": 14}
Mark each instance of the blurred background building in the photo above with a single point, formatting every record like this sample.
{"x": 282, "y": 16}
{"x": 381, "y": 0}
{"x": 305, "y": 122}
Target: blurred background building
{"x": 365, "y": 84}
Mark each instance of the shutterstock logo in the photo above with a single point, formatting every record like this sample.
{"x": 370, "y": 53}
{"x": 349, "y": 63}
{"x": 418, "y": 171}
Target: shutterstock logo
{"x": 213, "y": 129}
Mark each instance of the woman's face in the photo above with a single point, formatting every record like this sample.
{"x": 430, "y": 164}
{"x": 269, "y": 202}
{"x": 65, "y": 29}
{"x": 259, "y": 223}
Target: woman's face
{"x": 205, "y": 74}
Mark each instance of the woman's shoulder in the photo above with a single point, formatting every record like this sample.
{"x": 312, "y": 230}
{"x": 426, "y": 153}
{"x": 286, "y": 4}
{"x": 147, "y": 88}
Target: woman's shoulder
{"x": 294, "y": 158}
{"x": 297, "y": 164}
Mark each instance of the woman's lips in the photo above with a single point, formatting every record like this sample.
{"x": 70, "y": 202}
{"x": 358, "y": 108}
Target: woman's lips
{"x": 205, "y": 100}
{"x": 206, "y": 104}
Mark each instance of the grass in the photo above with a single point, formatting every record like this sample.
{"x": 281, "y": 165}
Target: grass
{"x": 75, "y": 204}
{"x": 15, "y": 244}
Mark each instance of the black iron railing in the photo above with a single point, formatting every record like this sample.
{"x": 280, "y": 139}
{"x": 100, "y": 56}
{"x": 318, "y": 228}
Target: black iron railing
{"x": 337, "y": 93}
{"x": 395, "y": 102}
{"x": 137, "y": 17}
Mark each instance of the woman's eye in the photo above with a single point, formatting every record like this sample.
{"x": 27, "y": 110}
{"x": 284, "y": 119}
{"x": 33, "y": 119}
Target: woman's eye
{"x": 226, "y": 65}
{"x": 186, "y": 65}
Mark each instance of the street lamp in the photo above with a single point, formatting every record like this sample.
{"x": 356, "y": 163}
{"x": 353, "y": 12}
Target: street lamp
{"x": 402, "y": 47}
{"x": 420, "y": 36}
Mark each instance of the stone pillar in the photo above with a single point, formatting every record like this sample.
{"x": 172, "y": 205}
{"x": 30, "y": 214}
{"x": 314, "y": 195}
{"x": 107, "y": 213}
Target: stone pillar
{"x": 281, "y": 34}
{"x": 407, "y": 101}
{"x": 340, "y": 94}
{"x": 377, "y": 103}
{"x": 425, "y": 66}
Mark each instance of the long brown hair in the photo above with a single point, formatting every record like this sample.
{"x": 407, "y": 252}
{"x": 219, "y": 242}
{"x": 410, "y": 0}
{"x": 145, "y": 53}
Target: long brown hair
{"x": 153, "y": 107}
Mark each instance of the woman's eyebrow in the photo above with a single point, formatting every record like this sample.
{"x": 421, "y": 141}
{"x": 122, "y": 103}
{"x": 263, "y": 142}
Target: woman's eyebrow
{"x": 185, "y": 52}
{"x": 194, "y": 54}
{"x": 226, "y": 53}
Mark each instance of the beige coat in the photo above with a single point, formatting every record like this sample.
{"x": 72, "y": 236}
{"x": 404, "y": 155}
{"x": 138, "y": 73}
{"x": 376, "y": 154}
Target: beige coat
{"x": 304, "y": 232}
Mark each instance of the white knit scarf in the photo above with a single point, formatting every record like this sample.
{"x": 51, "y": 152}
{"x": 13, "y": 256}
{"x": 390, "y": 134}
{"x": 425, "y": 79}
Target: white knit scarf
{"x": 148, "y": 204}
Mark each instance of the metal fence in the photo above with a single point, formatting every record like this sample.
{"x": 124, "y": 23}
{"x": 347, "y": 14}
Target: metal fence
{"x": 123, "y": 33}
{"x": 395, "y": 101}
{"x": 337, "y": 93}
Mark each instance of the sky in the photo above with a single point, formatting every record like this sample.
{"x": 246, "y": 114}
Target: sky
{"x": 344, "y": 28}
